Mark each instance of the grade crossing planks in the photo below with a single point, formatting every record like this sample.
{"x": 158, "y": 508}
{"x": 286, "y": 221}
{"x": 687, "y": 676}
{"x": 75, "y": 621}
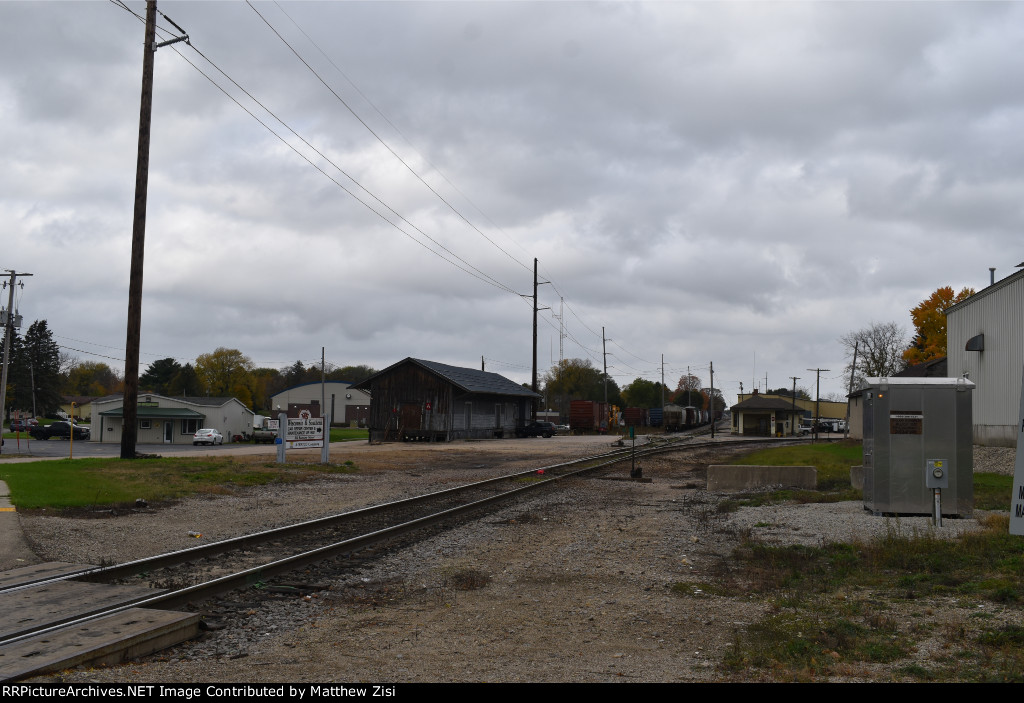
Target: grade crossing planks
{"x": 109, "y": 640}
{"x": 114, "y": 638}
{"x": 30, "y": 609}
{"x": 51, "y": 569}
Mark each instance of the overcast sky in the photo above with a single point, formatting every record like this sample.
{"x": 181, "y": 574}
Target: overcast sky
{"x": 737, "y": 183}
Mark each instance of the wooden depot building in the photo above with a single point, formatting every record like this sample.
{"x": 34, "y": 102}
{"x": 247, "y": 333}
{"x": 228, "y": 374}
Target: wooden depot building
{"x": 426, "y": 400}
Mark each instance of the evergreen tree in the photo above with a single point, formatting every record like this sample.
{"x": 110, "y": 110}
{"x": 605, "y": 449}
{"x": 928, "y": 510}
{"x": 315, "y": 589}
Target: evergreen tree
{"x": 35, "y": 361}
{"x": 159, "y": 375}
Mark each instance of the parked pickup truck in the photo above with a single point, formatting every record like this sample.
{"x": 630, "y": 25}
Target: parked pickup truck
{"x": 60, "y": 430}
{"x": 537, "y": 429}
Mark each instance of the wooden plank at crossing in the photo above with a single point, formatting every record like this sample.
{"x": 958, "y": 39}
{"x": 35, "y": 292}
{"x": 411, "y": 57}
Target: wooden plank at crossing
{"x": 105, "y": 641}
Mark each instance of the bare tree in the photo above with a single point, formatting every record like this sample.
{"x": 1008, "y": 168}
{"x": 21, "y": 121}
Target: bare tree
{"x": 879, "y": 350}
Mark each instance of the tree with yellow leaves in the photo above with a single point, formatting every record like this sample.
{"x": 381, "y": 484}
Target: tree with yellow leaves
{"x": 930, "y": 340}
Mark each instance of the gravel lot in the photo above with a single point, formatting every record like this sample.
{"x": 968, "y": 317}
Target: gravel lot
{"x": 573, "y": 586}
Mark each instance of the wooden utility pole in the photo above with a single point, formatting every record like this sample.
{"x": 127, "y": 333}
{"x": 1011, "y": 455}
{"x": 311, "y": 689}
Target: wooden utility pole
{"x": 10, "y": 322}
{"x": 130, "y": 404}
{"x": 853, "y": 369}
{"x": 817, "y": 399}
{"x": 604, "y": 356}
{"x": 129, "y": 407}
{"x": 793, "y": 421}
{"x": 533, "y": 386}
{"x": 711, "y": 399}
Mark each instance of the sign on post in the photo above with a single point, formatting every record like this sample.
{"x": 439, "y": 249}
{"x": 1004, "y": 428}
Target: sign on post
{"x": 304, "y": 432}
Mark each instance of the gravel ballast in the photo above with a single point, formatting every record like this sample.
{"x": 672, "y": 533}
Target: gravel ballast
{"x": 578, "y": 584}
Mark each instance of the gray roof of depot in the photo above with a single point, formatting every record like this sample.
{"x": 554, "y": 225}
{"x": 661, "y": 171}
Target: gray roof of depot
{"x": 468, "y": 380}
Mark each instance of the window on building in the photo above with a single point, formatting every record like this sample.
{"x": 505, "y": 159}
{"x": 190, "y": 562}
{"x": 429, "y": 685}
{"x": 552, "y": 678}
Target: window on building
{"x": 145, "y": 424}
{"x": 189, "y": 426}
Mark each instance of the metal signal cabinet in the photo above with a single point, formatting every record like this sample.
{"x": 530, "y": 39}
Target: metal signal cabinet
{"x": 909, "y": 424}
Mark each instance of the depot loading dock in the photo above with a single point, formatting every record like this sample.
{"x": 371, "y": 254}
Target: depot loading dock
{"x": 426, "y": 400}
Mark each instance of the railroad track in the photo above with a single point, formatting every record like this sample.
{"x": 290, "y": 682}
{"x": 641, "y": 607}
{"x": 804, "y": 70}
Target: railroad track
{"x": 209, "y": 570}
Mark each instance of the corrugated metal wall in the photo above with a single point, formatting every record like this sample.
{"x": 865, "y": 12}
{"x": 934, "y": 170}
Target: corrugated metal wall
{"x": 998, "y": 313}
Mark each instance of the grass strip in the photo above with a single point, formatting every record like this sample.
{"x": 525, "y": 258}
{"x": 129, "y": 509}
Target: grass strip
{"x": 110, "y": 482}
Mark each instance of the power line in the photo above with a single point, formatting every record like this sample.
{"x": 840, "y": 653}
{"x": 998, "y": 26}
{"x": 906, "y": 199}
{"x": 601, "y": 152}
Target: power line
{"x": 378, "y": 137}
{"x": 466, "y": 267}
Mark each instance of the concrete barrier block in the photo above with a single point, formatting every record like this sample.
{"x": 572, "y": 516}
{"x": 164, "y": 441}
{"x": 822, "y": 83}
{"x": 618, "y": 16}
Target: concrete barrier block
{"x": 727, "y": 478}
{"x": 857, "y": 477}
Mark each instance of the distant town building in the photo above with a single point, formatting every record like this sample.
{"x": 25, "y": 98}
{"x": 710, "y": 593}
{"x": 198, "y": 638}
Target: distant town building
{"x": 165, "y": 420}
{"x": 347, "y": 405}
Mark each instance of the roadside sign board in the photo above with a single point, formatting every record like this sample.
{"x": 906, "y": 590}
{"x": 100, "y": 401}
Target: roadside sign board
{"x": 304, "y": 432}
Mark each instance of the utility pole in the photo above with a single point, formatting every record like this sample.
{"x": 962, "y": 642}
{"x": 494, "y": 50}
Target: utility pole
{"x": 817, "y": 400}
{"x": 561, "y": 330}
{"x": 711, "y": 399}
{"x": 604, "y": 356}
{"x": 853, "y": 369}
{"x": 10, "y": 321}
{"x": 662, "y": 380}
{"x": 793, "y": 431}
{"x": 129, "y": 407}
{"x": 533, "y": 386}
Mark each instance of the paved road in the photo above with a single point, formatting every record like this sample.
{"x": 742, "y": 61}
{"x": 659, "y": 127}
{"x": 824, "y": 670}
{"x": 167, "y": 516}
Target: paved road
{"x": 56, "y": 448}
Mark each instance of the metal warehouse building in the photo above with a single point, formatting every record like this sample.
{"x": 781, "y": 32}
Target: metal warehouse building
{"x": 985, "y": 340}
{"x": 347, "y": 405}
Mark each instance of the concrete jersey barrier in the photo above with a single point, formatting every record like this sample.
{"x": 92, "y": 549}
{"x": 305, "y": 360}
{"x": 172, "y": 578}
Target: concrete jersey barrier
{"x": 723, "y": 478}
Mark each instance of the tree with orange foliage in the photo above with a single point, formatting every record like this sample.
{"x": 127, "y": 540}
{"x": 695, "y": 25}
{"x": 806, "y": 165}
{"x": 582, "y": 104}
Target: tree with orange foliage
{"x": 930, "y": 341}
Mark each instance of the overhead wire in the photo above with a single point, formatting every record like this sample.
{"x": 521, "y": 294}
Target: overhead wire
{"x": 393, "y": 152}
{"x": 378, "y": 137}
{"x": 471, "y": 270}
{"x": 476, "y": 273}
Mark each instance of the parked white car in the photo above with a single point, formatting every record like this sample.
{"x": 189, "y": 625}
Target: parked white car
{"x": 207, "y": 436}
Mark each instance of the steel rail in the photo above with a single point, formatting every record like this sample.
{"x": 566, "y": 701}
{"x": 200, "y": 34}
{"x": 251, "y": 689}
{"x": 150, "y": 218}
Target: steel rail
{"x": 246, "y": 577}
{"x": 166, "y": 559}
{"x": 230, "y": 582}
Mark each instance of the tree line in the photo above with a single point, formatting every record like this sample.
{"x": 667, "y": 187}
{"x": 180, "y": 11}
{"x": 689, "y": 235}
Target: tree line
{"x": 883, "y": 348}
{"x": 40, "y": 375}
{"x": 578, "y": 379}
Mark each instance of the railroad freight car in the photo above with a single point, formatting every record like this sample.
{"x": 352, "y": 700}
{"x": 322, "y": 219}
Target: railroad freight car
{"x": 673, "y": 418}
{"x": 655, "y": 416}
{"x": 678, "y": 418}
{"x": 635, "y": 417}
{"x": 588, "y": 416}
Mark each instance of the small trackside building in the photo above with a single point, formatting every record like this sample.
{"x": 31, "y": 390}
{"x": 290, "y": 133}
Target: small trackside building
{"x": 764, "y": 417}
{"x": 166, "y": 420}
{"x": 416, "y": 399}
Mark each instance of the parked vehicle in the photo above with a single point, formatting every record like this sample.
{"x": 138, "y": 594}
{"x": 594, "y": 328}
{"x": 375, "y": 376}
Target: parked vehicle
{"x": 60, "y": 430}
{"x": 539, "y": 428}
{"x": 207, "y": 436}
{"x": 23, "y": 425}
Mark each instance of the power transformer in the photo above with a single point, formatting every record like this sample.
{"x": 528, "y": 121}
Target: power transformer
{"x": 917, "y": 436}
